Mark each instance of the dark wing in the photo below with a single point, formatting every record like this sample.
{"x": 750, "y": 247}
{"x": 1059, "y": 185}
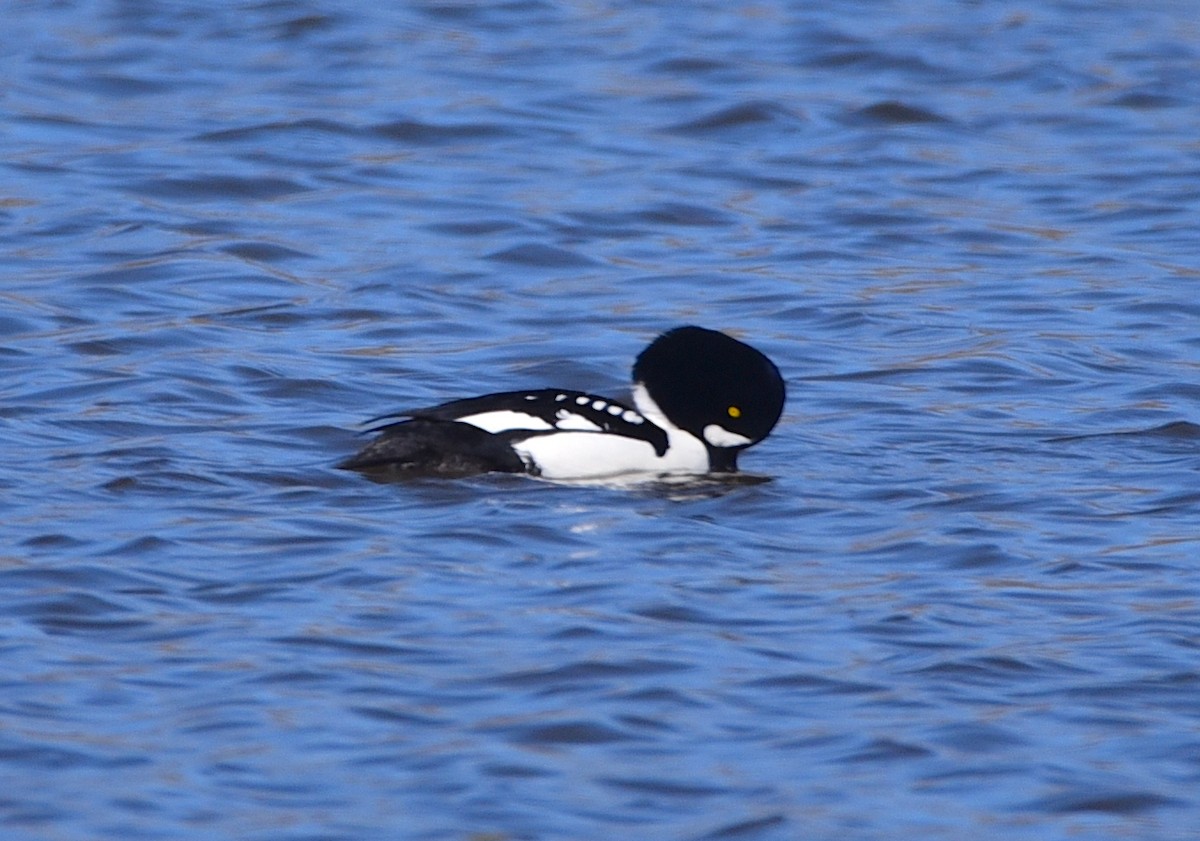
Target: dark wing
{"x": 433, "y": 448}
{"x": 519, "y": 414}
{"x": 579, "y": 411}
{"x": 503, "y": 401}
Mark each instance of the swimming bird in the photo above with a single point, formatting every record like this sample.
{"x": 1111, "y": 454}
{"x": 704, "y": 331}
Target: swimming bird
{"x": 700, "y": 397}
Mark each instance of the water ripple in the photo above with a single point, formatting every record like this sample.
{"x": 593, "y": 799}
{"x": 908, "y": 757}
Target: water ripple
{"x": 954, "y": 594}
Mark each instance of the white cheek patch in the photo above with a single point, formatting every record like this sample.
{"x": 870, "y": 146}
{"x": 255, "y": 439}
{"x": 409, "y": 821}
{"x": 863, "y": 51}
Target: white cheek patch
{"x": 569, "y": 420}
{"x": 503, "y": 420}
{"x": 719, "y": 436}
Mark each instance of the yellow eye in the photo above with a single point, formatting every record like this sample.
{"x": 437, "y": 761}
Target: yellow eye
{"x": 734, "y": 412}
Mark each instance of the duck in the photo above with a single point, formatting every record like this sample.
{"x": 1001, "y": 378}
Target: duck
{"x": 699, "y": 398}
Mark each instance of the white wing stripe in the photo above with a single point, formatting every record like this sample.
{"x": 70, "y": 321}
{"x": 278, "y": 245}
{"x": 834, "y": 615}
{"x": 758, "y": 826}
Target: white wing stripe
{"x": 505, "y": 419}
{"x": 569, "y": 420}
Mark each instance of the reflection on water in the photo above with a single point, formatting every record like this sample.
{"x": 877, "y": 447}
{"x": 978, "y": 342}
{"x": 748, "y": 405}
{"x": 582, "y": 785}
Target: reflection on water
{"x": 954, "y": 595}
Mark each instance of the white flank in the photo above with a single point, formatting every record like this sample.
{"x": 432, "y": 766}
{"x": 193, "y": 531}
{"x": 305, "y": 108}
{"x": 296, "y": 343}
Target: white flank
{"x": 596, "y": 455}
{"x": 584, "y": 455}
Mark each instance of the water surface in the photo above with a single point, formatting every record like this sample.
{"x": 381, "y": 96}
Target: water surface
{"x": 965, "y": 604}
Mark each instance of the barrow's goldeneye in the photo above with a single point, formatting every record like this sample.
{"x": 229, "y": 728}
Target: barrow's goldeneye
{"x": 699, "y": 398}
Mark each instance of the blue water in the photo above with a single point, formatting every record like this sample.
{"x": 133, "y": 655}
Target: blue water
{"x": 966, "y": 604}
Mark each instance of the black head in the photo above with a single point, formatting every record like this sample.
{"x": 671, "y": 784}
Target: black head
{"x": 723, "y": 391}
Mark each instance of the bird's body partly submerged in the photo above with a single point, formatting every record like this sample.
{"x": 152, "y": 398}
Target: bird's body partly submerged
{"x": 700, "y": 397}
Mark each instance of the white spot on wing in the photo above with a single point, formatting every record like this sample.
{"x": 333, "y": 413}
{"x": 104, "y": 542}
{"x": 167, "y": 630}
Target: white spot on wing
{"x": 599, "y": 405}
{"x": 502, "y": 420}
{"x": 582, "y": 399}
{"x": 615, "y": 410}
{"x": 631, "y": 416}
